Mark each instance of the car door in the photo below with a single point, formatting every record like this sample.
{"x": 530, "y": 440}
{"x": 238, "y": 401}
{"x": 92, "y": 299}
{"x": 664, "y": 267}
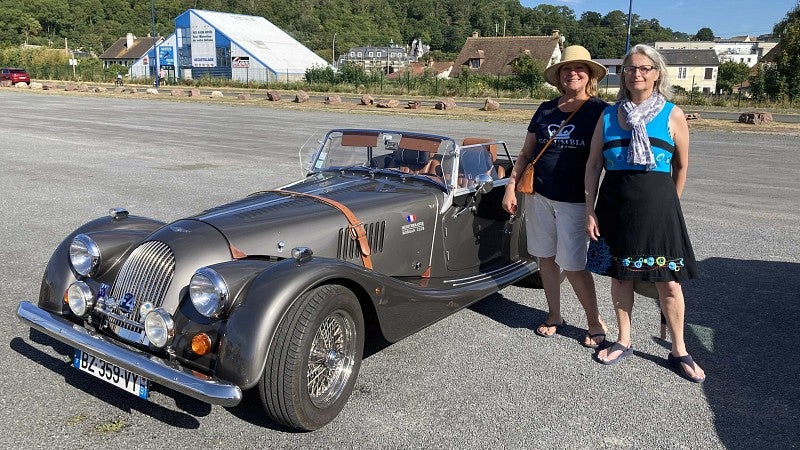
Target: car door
{"x": 474, "y": 227}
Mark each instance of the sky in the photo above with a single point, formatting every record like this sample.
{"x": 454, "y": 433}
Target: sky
{"x": 726, "y": 18}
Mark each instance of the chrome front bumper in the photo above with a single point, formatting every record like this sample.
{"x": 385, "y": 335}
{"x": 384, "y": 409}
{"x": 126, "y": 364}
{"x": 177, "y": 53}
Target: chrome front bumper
{"x": 173, "y": 376}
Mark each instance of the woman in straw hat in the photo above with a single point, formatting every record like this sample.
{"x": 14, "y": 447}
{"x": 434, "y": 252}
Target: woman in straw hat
{"x": 637, "y": 228}
{"x": 555, "y": 219}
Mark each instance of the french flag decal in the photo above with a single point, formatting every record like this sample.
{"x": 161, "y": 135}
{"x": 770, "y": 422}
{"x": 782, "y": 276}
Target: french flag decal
{"x": 411, "y": 218}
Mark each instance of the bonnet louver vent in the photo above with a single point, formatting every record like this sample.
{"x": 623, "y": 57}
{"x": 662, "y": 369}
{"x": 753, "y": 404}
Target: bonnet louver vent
{"x": 348, "y": 247}
{"x": 281, "y": 203}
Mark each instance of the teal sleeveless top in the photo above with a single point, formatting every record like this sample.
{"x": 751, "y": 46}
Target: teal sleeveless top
{"x": 616, "y": 141}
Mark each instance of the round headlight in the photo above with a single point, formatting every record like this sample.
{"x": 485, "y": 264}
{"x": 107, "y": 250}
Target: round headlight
{"x": 80, "y": 298}
{"x": 159, "y": 327}
{"x": 84, "y": 255}
{"x": 208, "y": 292}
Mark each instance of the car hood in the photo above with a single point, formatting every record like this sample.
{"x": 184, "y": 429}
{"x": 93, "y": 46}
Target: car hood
{"x": 271, "y": 223}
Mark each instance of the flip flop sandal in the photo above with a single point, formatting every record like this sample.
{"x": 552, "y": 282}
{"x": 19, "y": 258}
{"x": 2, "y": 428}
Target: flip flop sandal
{"x": 675, "y": 361}
{"x": 548, "y": 326}
{"x": 591, "y": 339}
{"x": 616, "y": 346}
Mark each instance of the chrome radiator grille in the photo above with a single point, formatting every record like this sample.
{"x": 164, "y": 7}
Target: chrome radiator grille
{"x": 147, "y": 275}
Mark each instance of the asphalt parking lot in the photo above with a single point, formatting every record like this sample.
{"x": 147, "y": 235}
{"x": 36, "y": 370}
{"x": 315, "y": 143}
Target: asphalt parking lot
{"x": 479, "y": 379}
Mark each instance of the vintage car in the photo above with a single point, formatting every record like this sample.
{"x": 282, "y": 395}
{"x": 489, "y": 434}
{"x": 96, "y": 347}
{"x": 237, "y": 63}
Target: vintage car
{"x": 389, "y": 232}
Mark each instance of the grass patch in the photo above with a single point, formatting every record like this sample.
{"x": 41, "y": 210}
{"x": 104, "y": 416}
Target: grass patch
{"x": 77, "y": 418}
{"x": 110, "y": 427}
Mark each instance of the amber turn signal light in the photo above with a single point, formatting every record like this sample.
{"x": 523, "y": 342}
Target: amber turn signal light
{"x": 201, "y": 344}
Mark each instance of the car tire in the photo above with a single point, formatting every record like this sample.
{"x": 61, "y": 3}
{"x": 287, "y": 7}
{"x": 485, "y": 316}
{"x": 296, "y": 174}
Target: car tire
{"x": 320, "y": 338}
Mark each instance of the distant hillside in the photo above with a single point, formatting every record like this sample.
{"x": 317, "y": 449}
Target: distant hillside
{"x": 93, "y": 25}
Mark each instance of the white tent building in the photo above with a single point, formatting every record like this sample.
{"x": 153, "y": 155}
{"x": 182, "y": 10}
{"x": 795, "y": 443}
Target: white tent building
{"x": 239, "y": 47}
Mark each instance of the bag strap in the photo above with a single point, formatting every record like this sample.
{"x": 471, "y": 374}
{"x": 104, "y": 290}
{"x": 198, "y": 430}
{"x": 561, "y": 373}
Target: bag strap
{"x": 563, "y": 124}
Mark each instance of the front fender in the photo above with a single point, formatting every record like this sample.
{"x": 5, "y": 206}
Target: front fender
{"x": 58, "y": 273}
{"x": 252, "y": 324}
{"x": 400, "y": 307}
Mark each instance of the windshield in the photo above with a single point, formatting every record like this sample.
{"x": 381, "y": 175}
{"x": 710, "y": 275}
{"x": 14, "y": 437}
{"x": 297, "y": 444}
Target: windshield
{"x": 401, "y": 153}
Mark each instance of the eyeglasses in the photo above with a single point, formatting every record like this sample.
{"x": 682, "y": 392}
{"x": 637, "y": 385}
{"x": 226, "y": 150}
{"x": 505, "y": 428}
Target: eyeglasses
{"x": 643, "y": 69}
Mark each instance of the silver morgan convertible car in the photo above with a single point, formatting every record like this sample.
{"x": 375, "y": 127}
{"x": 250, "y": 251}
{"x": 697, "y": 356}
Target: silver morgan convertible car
{"x": 389, "y": 232}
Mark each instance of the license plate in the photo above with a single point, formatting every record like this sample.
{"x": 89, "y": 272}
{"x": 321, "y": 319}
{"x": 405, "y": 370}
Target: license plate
{"x": 111, "y": 373}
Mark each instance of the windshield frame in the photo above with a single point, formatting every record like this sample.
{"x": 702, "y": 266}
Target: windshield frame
{"x": 376, "y": 151}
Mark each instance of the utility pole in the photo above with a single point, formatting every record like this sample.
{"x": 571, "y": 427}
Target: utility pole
{"x": 628, "y": 40}
{"x": 155, "y": 49}
{"x": 333, "y": 51}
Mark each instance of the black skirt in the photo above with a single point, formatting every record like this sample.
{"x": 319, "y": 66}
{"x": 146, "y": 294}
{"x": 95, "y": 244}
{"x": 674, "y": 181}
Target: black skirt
{"x": 643, "y": 233}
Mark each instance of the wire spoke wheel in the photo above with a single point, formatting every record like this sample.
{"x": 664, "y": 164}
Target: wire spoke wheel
{"x": 312, "y": 366}
{"x": 331, "y": 358}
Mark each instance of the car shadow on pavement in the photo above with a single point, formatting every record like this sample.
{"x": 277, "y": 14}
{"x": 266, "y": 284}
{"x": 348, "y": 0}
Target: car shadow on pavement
{"x": 516, "y": 315}
{"x": 105, "y": 392}
{"x": 508, "y": 312}
{"x": 249, "y": 409}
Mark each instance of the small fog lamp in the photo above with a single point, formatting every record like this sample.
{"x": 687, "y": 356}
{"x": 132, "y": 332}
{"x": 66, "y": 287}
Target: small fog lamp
{"x": 159, "y": 327}
{"x": 80, "y": 298}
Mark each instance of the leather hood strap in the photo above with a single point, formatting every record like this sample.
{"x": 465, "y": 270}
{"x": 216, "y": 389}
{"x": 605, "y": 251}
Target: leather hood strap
{"x": 356, "y": 228}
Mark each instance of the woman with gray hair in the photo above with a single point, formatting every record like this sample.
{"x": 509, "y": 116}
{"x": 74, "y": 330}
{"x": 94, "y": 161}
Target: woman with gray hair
{"x": 637, "y": 228}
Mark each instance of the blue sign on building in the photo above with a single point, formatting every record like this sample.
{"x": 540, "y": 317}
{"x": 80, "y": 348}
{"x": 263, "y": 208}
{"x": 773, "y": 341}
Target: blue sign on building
{"x": 166, "y": 56}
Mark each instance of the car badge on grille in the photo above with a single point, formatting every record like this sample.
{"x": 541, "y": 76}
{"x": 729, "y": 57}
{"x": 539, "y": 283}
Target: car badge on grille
{"x": 127, "y": 303}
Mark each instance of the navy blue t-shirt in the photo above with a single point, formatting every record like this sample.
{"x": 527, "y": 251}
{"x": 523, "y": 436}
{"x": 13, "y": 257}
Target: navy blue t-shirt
{"x": 558, "y": 175}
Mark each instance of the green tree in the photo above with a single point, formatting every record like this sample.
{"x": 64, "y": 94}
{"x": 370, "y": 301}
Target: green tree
{"x": 731, "y": 74}
{"x": 17, "y": 26}
{"x": 757, "y": 83}
{"x": 704, "y": 34}
{"x": 774, "y": 83}
{"x": 792, "y": 16}
{"x": 528, "y": 72}
{"x": 788, "y": 65}
{"x": 316, "y": 74}
{"x": 352, "y": 73}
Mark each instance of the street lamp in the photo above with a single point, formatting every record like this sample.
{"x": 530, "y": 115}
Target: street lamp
{"x": 155, "y": 48}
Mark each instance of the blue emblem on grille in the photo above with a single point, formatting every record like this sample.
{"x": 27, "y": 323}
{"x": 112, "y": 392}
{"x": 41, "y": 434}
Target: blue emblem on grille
{"x": 127, "y": 302}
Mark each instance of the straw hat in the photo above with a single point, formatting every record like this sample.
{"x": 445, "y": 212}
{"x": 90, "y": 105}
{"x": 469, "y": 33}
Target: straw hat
{"x": 574, "y": 53}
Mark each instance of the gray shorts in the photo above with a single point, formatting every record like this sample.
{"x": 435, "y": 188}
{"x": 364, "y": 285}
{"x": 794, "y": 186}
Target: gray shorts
{"x": 557, "y": 229}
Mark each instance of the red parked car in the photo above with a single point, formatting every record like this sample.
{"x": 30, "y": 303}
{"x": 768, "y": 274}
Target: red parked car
{"x": 15, "y": 75}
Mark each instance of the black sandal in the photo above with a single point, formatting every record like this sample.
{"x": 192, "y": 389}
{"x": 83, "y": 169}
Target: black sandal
{"x": 675, "y": 361}
{"x": 616, "y": 346}
{"x": 591, "y": 339}
{"x": 547, "y": 326}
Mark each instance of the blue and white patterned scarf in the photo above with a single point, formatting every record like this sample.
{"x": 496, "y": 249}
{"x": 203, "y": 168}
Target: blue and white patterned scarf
{"x": 637, "y": 116}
